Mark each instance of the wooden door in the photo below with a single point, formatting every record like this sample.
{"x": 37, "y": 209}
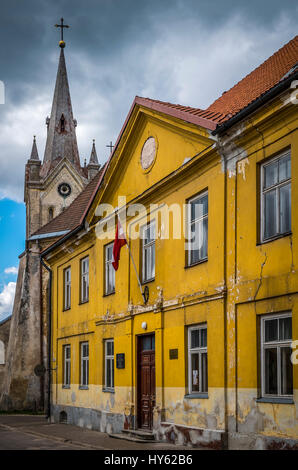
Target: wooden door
{"x": 146, "y": 381}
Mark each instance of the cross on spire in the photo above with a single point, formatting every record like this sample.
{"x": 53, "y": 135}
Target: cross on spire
{"x": 62, "y": 26}
{"x": 111, "y": 146}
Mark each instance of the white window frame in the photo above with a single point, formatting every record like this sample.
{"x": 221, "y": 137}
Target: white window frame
{"x": 84, "y": 276}
{"x": 84, "y": 362}
{"x": 109, "y": 268}
{"x": 148, "y": 248}
{"x": 277, "y": 187}
{"x": 196, "y": 221}
{"x": 67, "y": 366}
{"x": 109, "y": 362}
{"x": 67, "y": 288}
{"x": 278, "y": 344}
{"x": 200, "y": 351}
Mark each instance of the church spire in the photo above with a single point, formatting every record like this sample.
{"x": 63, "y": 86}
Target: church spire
{"x": 93, "y": 156}
{"x": 61, "y": 137}
{"x": 34, "y": 152}
{"x": 93, "y": 165}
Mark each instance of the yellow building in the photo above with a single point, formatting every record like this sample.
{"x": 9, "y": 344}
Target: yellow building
{"x": 207, "y": 355}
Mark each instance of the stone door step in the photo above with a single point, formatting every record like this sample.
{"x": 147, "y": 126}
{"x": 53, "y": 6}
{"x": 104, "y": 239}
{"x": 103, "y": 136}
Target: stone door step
{"x": 139, "y": 433}
{"x": 134, "y": 435}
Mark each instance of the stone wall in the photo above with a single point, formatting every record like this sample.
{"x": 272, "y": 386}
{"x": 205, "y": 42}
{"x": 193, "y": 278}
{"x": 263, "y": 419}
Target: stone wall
{"x": 4, "y": 337}
{"x": 21, "y": 388}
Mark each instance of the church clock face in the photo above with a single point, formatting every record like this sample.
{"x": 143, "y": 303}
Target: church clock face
{"x": 148, "y": 153}
{"x": 64, "y": 189}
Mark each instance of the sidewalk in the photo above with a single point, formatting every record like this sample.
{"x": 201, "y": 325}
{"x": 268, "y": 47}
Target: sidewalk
{"x": 37, "y": 425}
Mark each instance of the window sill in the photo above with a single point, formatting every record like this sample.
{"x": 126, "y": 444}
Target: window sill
{"x": 83, "y": 387}
{"x": 281, "y": 400}
{"x": 196, "y": 395}
{"x": 66, "y": 386}
{"x": 83, "y": 302}
{"x": 143, "y": 283}
{"x": 272, "y": 239}
{"x": 109, "y": 293}
{"x": 108, "y": 390}
{"x": 195, "y": 264}
{"x": 66, "y": 309}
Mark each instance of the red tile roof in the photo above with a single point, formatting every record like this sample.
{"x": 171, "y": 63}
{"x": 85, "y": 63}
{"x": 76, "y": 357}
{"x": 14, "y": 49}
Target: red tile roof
{"x": 254, "y": 85}
{"x": 197, "y": 116}
{"x": 258, "y": 82}
{"x": 74, "y": 214}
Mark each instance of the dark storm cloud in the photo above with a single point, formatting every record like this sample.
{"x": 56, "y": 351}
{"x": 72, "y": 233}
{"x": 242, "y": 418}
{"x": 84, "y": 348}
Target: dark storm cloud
{"x": 186, "y": 51}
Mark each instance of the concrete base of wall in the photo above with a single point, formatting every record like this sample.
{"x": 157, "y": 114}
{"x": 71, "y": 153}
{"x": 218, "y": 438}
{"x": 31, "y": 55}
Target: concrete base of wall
{"x": 88, "y": 418}
{"x": 195, "y": 437}
{"x": 240, "y": 441}
{"x": 114, "y": 423}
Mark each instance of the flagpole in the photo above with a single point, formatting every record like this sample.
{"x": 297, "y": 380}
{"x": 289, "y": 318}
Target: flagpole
{"x": 133, "y": 262}
{"x": 134, "y": 265}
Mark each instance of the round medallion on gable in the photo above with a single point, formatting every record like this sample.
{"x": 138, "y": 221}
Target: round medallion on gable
{"x": 148, "y": 153}
{"x": 64, "y": 189}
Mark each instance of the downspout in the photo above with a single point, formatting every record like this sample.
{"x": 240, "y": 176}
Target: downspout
{"x": 225, "y": 301}
{"x": 49, "y": 335}
{"x": 41, "y": 339}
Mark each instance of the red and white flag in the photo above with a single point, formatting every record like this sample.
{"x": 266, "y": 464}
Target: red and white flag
{"x": 119, "y": 241}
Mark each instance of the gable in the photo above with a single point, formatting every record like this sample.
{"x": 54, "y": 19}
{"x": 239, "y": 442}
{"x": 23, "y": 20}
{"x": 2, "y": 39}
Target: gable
{"x": 152, "y": 147}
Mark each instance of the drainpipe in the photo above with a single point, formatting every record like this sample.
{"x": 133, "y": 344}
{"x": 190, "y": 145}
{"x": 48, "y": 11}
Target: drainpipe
{"x": 225, "y": 305}
{"x": 42, "y": 404}
{"x": 49, "y": 335}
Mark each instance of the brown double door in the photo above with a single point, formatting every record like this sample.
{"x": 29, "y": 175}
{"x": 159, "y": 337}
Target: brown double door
{"x": 146, "y": 380}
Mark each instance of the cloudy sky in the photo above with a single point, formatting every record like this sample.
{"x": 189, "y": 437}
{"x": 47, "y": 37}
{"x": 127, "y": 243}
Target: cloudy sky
{"x": 182, "y": 51}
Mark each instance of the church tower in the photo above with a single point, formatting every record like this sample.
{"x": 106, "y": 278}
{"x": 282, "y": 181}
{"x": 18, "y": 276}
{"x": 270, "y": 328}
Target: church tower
{"x": 50, "y": 186}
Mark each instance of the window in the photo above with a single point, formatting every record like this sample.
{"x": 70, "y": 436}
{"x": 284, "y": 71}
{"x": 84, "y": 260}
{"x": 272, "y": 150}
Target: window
{"x": 67, "y": 365}
{"x": 84, "y": 364}
{"x": 109, "y": 364}
{"x": 62, "y": 123}
{"x": 276, "y": 197}
{"x": 276, "y": 366}
{"x": 67, "y": 288}
{"x": 109, "y": 270}
{"x": 197, "y": 359}
{"x": 148, "y": 252}
{"x": 85, "y": 279}
{"x": 198, "y": 229}
{"x": 51, "y": 213}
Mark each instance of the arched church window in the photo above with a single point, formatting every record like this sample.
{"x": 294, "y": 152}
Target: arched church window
{"x": 2, "y": 352}
{"x": 62, "y": 123}
{"x": 51, "y": 213}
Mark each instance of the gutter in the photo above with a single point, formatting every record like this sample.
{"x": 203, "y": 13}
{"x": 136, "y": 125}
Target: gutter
{"x": 48, "y": 235}
{"x": 270, "y": 94}
{"x": 49, "y": 335}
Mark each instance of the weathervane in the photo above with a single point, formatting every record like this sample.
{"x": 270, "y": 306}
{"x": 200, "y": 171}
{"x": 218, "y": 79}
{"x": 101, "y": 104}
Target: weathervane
{"x": 62, "y": 26}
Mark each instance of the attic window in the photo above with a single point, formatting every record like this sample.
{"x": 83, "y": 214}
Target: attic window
{"x": 62, "y": 123}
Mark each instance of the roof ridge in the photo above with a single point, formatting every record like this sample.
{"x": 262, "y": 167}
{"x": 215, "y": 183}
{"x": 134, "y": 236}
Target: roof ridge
{"x": 169, "y": 104}
{"x": 275, "y": 54}
{"x": 233, "y": 100}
